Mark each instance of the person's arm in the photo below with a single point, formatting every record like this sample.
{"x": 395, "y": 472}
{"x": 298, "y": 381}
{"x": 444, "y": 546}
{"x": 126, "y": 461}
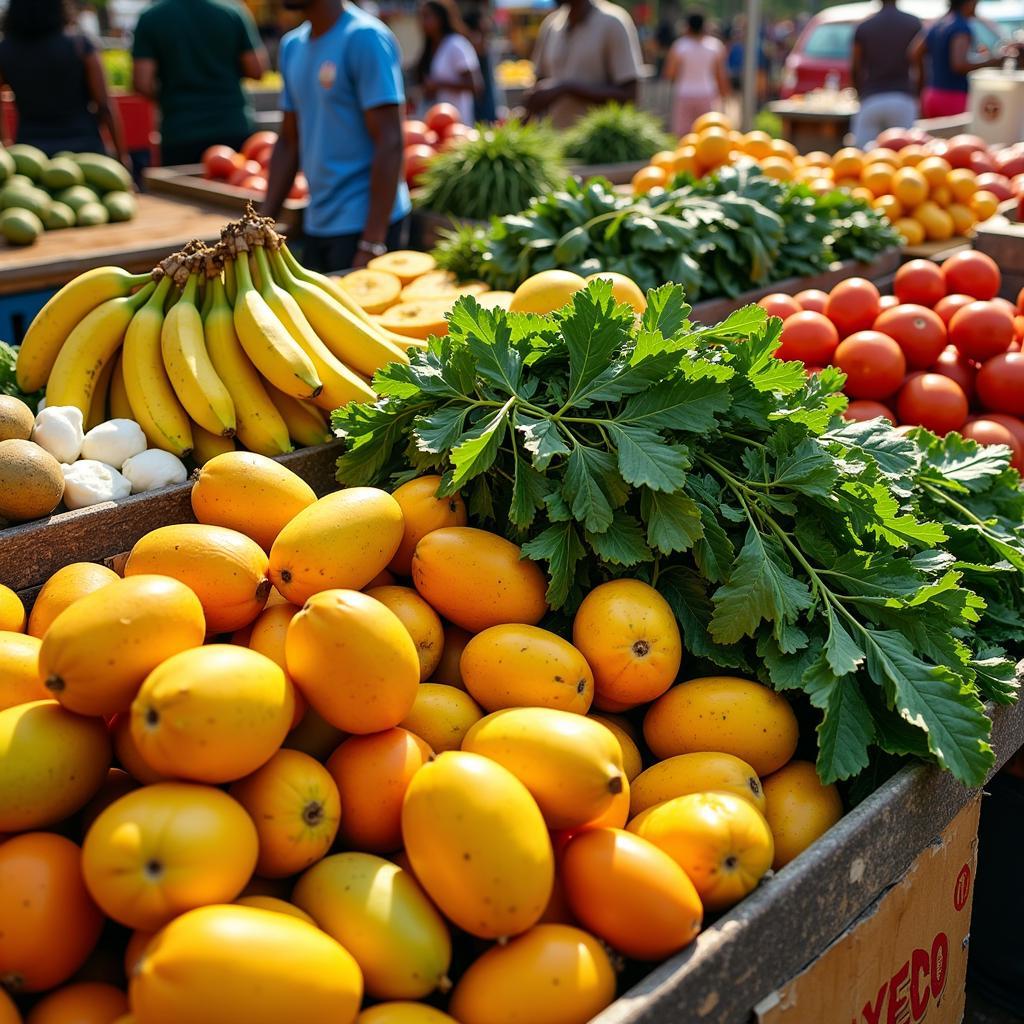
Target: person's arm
{"x": 252, "y": 57}
{"x": 960, "y": 61}
{"x": 106, "y": 112}
{"x": 671, "y": 66}
{"x": 254, "y": 63}
{"x": 284, "y": 165}
{"x": 144, "y": 77}
{"x": 916, "y": 54}
{"x": 384, "y": 125}
{"x": 722, "y": 74}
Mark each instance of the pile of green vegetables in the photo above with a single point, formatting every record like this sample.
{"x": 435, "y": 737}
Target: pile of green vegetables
{"x": 615, "y": 133}
{"x": 498, "y": 172}
{"x": 719, "y": 236}
{"x": 879, "y": 574}
{"x": 8, "y": 376}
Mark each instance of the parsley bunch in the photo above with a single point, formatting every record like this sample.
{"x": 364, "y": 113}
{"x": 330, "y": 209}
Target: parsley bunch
{"x": 877, "y": 573}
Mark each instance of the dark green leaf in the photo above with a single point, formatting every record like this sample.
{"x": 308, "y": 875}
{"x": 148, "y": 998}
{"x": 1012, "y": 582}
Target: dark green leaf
{"x": 561, "y": 548}
{"x": 622, "y": 543}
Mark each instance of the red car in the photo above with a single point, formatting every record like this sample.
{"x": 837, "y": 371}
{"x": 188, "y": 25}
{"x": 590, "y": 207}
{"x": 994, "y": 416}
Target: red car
{"x": 822, "y": 51}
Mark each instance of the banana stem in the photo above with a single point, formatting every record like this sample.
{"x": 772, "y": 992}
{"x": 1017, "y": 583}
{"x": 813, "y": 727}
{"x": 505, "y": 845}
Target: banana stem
{"x": 141, "y": 297}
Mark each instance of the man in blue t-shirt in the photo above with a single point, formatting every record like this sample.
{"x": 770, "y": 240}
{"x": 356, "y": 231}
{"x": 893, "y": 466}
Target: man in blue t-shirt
{"x": 342, "y": 103}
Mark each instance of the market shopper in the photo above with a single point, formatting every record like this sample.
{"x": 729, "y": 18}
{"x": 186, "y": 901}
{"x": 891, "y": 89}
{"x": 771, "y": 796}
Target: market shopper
{"x": 587, "y": 52}
{"x": 190, "y": 56}
{"x": 342, "y": 101}
{"x": 448, "y": 69}
{"x": 942, "y": 56}
{"x": 882, "y": 74}
{"x": 57, "y": 78}
{"x": 696, "y": 68}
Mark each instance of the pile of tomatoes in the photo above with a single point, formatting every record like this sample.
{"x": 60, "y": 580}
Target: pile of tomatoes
{"x": 942, "y": 352}
{"x": 440, "y": 129}
{"x": 248, "y": 168}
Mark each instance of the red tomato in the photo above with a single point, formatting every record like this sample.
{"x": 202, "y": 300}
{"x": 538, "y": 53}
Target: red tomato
{"x": 812, "y": 370}
{"x": 1011, "y": 163}
{"x": 959, "y": 368}
{"x": 1000, "y": 383}
{"x": 986, "y": 431}
{"x": 917, "y": 330}
{"x": 1020, "y": 300}
{"x": 255, "y": 182}
{"x": 998, "y": 184}
{"x": 981, "y": 330}
{"x": 934, "y": 401}
{"x": 947, "y": 306}
{"x": 860, "y": 410}
{"x": 262, "y": 156}
{"x": 961, "y": 148}
{"x": 809, "y": 337}
{"x": 982, "y": 163}
{"x": 972, "y": 273}
{"x": 813, "y": 299}
{"x": 247, "y": 170}
{"x": 219, "y": 162}
{"x": 458, "y": 134}
{"x": 300, "y": 187}
{"x": 256, "y": 142}
{"x": 1018, "y": 327}
{"x": 853, "y": 305}
{"x": 1007, "y": 305}
{"x": 888, "y": 302}
{"x": 440, "y": 116}
{"x": 779, "y": 304}
{"x": 919, "y": 281}
{"x": 414, "y": 132}
{"x": 416, "y": 160}
{"x": 873, "y": 363}
{"x": 1014, "y": 425}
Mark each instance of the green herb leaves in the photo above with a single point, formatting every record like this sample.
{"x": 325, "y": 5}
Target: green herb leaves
{"x": 879, "y": 574}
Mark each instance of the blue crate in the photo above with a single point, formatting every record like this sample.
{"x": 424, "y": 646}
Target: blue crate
{"x": 18, "y": 311}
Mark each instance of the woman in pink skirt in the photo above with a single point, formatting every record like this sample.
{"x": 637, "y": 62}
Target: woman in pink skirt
{"x": 696, "y": 67}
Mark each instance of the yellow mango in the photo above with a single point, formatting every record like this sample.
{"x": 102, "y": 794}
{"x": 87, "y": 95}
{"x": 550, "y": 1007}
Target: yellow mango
{"x": 701, "y": 772}
{"x": 571, "y": 765}
{"x": 519, "y": 666}
{"x": 422, "y": 622}
{"x": 97, "y": 652}
{"x": 478, "y": 844}
{"x": 382, "y": 917}
{"x": 554, "y": 974}
{"x": 51, "y": 764}
{"x": 477, "y": 579}
{"x": 441, "y": 716}
{"x": 249, "y": 493}
{"x": 341, "y": 541}
{"x": 19, "y": 670}
{"x": 632, "y": 760}
{"x": 423, "y": 512}
{"x": 353, "y": 660}
{"x": 403, "y": 1013}
{"x": 65, "y": 587}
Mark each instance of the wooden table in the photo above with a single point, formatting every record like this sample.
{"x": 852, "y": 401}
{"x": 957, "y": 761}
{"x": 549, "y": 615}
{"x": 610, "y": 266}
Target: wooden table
{"x": 812, "y": 127}
{"x": 160, "y": 227}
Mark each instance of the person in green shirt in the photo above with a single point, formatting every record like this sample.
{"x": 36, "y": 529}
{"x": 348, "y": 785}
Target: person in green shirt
{"x": 190, "y": 56}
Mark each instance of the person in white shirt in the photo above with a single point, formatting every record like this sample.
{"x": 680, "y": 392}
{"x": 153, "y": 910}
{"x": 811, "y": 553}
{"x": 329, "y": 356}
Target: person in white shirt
{"x": 449, "y": 69}
{"x": 696, "y": 67}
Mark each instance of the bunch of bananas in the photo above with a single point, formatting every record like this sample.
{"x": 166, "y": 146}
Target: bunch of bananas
{"x": 238, "y": 341}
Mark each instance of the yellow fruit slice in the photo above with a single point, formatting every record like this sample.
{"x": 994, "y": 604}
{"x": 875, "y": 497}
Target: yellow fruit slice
{"x": 405, "y": 264}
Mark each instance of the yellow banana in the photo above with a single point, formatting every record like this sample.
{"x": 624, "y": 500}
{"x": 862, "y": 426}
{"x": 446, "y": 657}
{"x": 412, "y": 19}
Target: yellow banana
{"x": 206, "y": 445}
{"x": 342, "y": 297}
{"x": 120, "y": 406}
{"x": 89, "y": 347}
{"x": 58, "y": 318}
{"x": 306, "y": 424}
{"x": 98, "y": 406}
{"x": 196, "y": 383}
{"x": 348, "y": 337}
{"x": 269, "y": 346}
{"x": 259, "y": 425}
{"x": 341, "y": 385}
{"x": 154, "y": 405}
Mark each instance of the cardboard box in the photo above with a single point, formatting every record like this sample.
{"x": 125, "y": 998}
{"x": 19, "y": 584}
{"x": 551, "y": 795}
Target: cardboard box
{"x": 904, "y": 961}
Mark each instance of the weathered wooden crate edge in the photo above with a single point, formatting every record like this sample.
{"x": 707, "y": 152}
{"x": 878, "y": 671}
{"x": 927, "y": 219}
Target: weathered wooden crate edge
{"x": 789, "y": 920}
{"x": 32, "y": 552}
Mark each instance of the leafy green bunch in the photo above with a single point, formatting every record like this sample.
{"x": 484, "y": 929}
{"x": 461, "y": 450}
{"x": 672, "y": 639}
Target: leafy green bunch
{"x": 497, "y": 173}
{"x": 9, "y": 379}
{"x": 615, "y": 133}
{"x": 876, "y": 573}
{"x": 722, "y": 235}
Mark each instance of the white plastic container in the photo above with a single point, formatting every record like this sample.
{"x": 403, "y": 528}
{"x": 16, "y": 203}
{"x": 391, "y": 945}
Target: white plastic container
{"x": 996, "y": 105}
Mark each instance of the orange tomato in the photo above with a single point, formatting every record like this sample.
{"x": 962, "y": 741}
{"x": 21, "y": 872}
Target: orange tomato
{"x": 19, "y": 670}
{"x": 626, "y": 631}
{"x": 423, "y": 511}
{"x": 808, "y": 336}
{"x": 50, "y": 923}
{"x": 372, "y": 774}
{"x": 552, "y": 974}
{"x": 972, "y": 273}
{"x": 853, "y": 306}
{"x": 873, "y": 363}
{"x": 1001, "y": 388}
{"x": 422, "y": 622}
{"x": 932, "y": 400}
{"x": 779, "y": 304}
{"x": 630, "y": 893}
{"x": 798, "y": 809}
{"x": 727, "y": 715}
{"x": 295, "y": 806}
{"x": 919, "y": 281}
{"x": 917, "y": 330}
{"x": 165, "y": 849}
{"x": 812, "y": 300}
{"x": 721, "y": 841}
{"x": 87, "y": 1002}
{"x": 981, "y": 330}
{"x": 63, "y": 588}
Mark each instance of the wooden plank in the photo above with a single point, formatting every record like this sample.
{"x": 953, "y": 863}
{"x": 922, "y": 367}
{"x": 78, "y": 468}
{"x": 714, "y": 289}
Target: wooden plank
{"x": 769, "y": 937}
{"x": 162, "y": 226}
{"x": 937, "y": 251}
{"x": 715, "y": 310}
{"x": 32, "y": 552}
